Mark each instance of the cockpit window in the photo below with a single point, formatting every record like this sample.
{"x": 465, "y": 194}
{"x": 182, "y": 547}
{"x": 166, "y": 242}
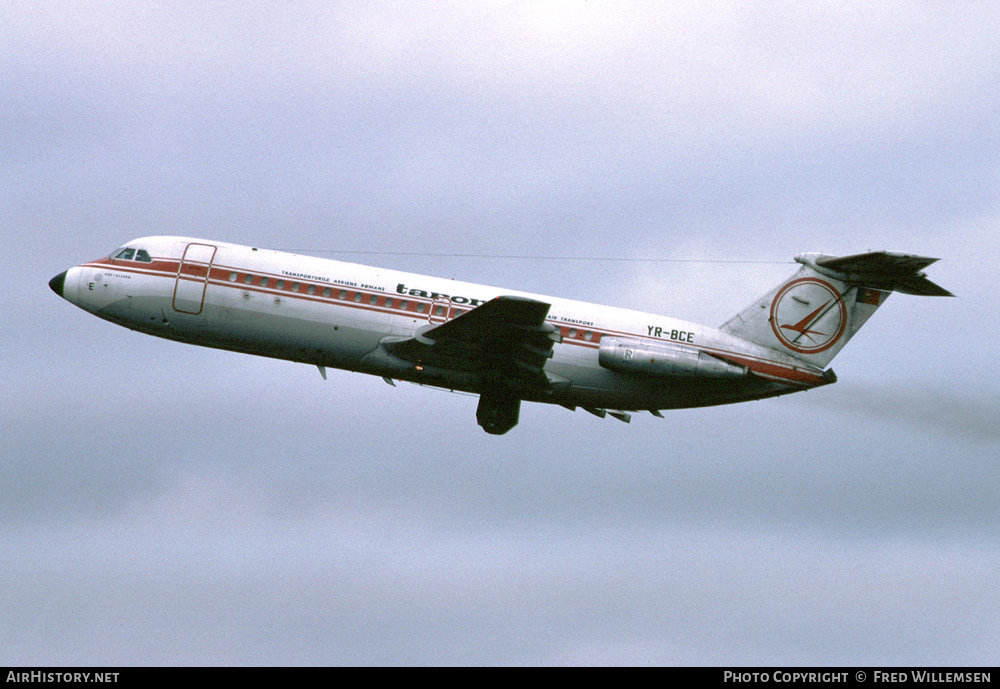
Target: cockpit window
{"x": 129, "y": 254}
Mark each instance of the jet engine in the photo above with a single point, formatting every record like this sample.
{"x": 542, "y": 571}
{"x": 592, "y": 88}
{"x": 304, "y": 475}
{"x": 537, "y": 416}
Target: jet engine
{"x": 634, "y": 355}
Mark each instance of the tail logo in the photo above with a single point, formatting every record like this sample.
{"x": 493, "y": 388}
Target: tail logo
{"x": 808, "y": 315}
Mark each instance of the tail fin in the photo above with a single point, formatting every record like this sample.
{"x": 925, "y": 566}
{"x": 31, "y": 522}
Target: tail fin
{"x": 815, "y": 312}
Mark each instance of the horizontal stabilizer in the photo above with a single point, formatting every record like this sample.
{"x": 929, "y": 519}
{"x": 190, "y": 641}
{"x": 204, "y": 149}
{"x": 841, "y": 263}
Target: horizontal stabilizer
{"x": 885, "y": 271}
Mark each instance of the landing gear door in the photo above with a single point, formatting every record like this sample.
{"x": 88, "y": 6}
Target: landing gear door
{"x": 192, "y": 278}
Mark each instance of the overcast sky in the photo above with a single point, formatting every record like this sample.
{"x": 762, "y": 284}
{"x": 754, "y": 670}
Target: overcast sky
{"x": 167, "y": 504}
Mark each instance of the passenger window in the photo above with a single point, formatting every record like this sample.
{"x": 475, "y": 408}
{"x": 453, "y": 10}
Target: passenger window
{"x": 388, "y": 303}
{"x": 311, "y": 289}
{"x": 143, "y": 255}
{"x": 373, "y": 301}
{"x": 263, "y": 282}
{"x": 280, "y": 284}
{"x": 357, "y": 297}
{"x": 404, "y": 304}
{"x": 295, "y": 287}
{"x": 248, "y": 279}
{"x": 343, "y": 294}
{"x": 327, "y": 292}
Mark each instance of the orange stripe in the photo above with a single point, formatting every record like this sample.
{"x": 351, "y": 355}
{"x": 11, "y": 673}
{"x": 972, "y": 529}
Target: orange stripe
{"x": 219, "y": 276}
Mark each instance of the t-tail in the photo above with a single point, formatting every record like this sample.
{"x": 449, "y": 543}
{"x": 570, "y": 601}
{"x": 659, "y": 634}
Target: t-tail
{"x": 813, "y": 314}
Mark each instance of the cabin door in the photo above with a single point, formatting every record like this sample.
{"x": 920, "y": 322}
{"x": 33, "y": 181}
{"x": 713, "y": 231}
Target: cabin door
{"x": 440, "y": 310}
{"x": 192, "y": 278}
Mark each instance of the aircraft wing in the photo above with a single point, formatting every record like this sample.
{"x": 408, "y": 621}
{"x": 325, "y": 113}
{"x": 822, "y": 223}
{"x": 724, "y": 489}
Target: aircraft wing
{"x": 506, "y": 341}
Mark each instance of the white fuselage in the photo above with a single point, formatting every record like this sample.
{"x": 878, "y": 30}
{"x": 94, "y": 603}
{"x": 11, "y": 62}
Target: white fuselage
{"x": 334, "y": 314}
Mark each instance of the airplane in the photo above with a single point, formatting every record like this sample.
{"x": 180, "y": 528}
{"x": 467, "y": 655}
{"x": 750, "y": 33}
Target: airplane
{"x": 505, "y": 346}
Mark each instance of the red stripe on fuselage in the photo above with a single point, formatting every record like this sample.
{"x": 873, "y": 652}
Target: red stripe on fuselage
{"x": 220, "y": 277}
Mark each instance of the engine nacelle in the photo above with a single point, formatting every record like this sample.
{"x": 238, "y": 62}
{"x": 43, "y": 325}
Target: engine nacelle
{"x": 634, "y": 355}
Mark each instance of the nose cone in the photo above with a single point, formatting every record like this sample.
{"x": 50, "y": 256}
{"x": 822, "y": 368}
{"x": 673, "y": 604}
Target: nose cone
{"x": 58, "y": 283}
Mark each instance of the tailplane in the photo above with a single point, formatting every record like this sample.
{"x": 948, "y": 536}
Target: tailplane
{"x": 813, "y": 314}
